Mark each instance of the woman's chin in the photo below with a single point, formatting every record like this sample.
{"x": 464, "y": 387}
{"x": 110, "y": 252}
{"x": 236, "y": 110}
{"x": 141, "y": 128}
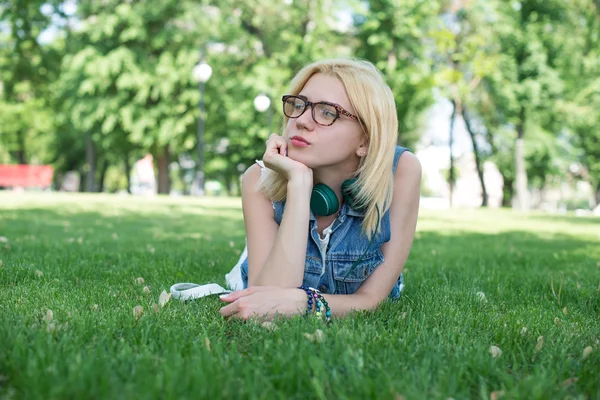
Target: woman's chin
{"x": 294, "y": 155}
{"x": 298, "y": 157}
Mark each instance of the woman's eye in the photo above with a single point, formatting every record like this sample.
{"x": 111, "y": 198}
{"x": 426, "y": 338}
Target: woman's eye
{"x": 328, "y": 113}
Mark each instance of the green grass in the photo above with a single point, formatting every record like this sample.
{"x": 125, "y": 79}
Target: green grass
{"x": 432, "y": 343}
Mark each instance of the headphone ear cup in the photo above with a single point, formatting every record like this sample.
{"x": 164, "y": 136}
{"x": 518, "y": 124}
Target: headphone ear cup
{"x": 350, "y": 192}
{"x": 323, "y": 201}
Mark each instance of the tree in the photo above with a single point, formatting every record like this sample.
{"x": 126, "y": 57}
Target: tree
{"x": 27, "y": 66}
{"x": 580, "y": 108}
{"x": 127, "y": 84}
{"x": 394, "y": 35}
{"x": 527, "y": 84}
{"x": 467, "y": 53}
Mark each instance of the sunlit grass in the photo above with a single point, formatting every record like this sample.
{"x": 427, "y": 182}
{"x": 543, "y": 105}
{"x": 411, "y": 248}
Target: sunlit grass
{"x": 475, "y": 279}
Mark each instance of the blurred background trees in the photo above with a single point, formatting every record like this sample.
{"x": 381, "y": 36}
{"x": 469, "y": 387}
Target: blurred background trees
{"x": 93, "y": 86}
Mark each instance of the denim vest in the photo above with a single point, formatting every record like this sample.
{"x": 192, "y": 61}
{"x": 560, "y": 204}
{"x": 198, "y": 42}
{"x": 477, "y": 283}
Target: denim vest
{"x": 347, "y": 243}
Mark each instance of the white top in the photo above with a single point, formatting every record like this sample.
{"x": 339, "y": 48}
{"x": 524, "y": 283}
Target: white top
{"x": 262, "y": 170}
{"x": 326, "y": 233}
{"x": 324, "y": 242}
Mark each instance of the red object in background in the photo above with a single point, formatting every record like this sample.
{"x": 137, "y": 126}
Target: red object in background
{"x": 26, "y": 175}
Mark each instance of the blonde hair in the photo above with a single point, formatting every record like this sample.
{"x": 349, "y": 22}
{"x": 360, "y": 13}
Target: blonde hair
{"x": 374, "y": 104}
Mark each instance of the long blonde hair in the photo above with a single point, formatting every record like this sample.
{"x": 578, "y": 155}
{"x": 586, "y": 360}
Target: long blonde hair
{"x": 374, "y": 104}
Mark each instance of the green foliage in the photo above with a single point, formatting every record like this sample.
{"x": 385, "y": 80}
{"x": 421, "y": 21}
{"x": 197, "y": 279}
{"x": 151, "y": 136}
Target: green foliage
{"x": 26, "y": 70}
{"x": 27, "y": 127}
{"x": 394, "y": 36}
{"x": 579, "y": 111}
{"x": 544, "y": 158}
{"x": 129, "y": 78}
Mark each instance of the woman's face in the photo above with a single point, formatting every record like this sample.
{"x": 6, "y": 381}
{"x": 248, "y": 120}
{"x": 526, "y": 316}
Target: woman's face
{"x": 327, "y": 145}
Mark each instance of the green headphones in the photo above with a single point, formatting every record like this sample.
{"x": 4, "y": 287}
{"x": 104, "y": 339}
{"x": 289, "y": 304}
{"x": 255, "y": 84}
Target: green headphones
{"x": 324, "y": 202}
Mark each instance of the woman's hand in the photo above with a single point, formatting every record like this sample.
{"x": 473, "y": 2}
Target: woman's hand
{"x": 264, "y": 302}
{"x": 276, "y": 158}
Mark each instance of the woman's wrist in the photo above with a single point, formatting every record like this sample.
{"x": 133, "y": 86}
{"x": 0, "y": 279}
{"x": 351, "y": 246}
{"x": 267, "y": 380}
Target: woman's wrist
{"x": 301, "y": 182}
{"x": 300, "y": 298}
{"x": 315, "y": 298}
{"x": 297, "y": 189}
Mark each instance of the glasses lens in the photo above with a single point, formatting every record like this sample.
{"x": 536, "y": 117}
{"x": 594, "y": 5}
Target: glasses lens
{"x": 325, "y": 114}
{"x": 293, "y": 107}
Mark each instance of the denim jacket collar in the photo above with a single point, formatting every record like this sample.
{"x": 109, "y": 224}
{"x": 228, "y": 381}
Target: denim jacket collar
{"x": 345, "y": 211}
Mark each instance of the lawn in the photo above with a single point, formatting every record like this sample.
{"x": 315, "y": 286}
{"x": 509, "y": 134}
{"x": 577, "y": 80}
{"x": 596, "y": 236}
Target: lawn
{"x": 528, "y": 284}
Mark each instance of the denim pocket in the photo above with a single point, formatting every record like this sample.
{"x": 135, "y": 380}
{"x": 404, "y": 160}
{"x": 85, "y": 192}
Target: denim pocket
{"x": 348, "y": 277}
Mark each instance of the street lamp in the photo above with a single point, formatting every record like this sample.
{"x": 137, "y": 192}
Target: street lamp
{"x": 201, "y": 74}
{"x": 262, "y": 103}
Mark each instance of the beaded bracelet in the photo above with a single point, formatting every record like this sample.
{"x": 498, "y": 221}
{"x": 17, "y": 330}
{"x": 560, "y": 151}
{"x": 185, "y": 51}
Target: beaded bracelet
{"x": 309, "y": 293}
{"x": 315, "y": 296}
{"x": 323, "y": 302}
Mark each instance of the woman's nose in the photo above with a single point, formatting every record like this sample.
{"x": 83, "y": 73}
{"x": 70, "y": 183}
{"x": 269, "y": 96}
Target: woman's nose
{"x": 306, "y": 120}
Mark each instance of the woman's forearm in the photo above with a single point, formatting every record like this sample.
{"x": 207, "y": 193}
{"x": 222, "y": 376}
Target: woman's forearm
{"x": 284, "y": 266}
{"x": 343, "y": 304}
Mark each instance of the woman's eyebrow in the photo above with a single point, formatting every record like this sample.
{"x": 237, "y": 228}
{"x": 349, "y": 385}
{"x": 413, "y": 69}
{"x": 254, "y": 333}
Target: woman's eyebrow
{"x": 303, "y": 97}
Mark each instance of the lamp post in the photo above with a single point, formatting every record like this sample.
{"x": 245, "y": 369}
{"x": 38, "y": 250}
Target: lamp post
{"x": 201, "y": 73}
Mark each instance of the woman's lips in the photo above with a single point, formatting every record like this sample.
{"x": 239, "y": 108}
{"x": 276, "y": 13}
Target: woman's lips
{"x": 297, "y": 141}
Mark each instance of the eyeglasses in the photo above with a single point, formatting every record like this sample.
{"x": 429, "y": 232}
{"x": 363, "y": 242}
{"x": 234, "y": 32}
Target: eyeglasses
{"x": 323, "y": 113}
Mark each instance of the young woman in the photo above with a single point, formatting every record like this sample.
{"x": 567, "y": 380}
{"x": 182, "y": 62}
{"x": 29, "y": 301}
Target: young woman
{"x": 312, "y": 231}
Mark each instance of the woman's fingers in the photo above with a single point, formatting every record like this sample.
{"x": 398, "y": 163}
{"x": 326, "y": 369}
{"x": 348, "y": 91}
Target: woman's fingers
{"x": 276, "y": 145}
{"x": 229, "y": 310}
{"x": 237, "y": 309}
{"x": 233, "y": 296}
{"x": 275, "y": 156}
{"x": 238, "y": 294}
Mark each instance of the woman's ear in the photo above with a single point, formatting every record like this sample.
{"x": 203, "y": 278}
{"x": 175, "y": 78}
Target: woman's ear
{"x": 362, "y": 150}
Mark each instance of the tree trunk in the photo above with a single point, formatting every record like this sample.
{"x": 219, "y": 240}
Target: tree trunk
{"x": 478, "y": 163}
{"x": 102, "y": 176}
{"x": 228, "y": 182}
{"x": 90, "y": 158}
{"x": 597, "y": 195}
{"x": 21, "y": 153}
{"x": 238, "y": 184}
{"x": 522, "y": 200}
{"x": 127, "y": 166}
{"x": 198, "y": 185}
{"x": 164, "y": 183}
{"x": 451, "y": 178}
{"x": 507, "y": 191}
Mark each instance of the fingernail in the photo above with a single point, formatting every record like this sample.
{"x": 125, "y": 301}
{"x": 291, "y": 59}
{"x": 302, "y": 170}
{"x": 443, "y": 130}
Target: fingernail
{"x": 223, "y": 296}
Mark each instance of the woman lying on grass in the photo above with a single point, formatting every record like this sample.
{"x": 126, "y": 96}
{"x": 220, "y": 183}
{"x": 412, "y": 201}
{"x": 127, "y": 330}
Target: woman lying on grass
{"x": 318, "y": 241}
